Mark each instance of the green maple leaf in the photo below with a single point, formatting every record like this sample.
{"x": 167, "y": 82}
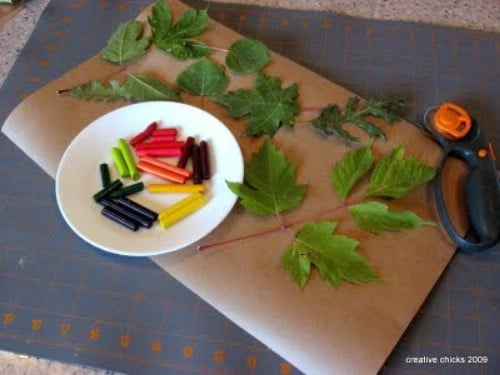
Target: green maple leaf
{"x": 268, "y": 106}
{"x": 350, "y": 169}
{"x": 269, "y": 186}
{"x": 203, "y": 77}
{"x": 141, "y": 88}
{"x": 332, "y": 120}
{"x": 396, "y": 175}
{"x": 125, "y": 44}
{"x": 335, "y": 256}
{"x": 97, "y": 91}
{"x": 247, "y": 56}
{"x": 375, "y": 217}
{"x": 176, "y": 39}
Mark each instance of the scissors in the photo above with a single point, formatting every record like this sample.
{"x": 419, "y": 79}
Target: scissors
{"x": 460, "y": 136}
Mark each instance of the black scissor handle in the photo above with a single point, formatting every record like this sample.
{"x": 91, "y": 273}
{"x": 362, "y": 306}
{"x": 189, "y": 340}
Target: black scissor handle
{"x": 482, "y": 197}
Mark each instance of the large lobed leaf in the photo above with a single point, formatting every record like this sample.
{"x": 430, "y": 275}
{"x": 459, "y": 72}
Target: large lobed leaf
{"x": 396, "y": 175}
{"x": 176, "y": 39}
{"x": 269, "y": 186}
{"x": 375, "y": 217}
{"x": 350, "y": 169}
{"x": 268, "y": 106}
{"x": 335, "y": 256}
{"x": 126, "y": 43}
{"x": 203, "y": 77}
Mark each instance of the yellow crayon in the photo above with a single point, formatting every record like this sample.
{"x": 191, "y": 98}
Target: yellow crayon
{"x": 178, "y": 205}
{"x": 176, "y": 188}
{"x": 182, "y": 212}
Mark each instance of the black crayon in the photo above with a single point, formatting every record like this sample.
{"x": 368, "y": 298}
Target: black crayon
{"x": 127, "y": 212}
{"x": 137, "y": 208}
{"x": 120, "y": 219}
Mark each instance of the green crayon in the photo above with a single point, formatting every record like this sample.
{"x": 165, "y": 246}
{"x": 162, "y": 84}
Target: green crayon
{"x": 117, "y": 156}
{"x": 129, "y": 159}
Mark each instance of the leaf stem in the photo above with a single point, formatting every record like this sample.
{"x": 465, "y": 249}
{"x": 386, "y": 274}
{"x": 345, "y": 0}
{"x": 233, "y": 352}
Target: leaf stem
{"x": 242, "y": 238}
{"x": 280, "y": 221}
{"x": 333, "y": 209}
{"x": 62, "y": 92}
{"x": 308, "y": 109}
{"x": 281, "y": 227}
{"x": 219, "y": 49}
{"x": 311, "y": 109}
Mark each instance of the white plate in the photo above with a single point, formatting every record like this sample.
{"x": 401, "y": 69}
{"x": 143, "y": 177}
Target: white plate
{"x": 78, "y": 179}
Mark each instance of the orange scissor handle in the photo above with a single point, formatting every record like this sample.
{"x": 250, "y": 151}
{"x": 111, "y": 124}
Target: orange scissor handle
{"x": 452, "y": 121}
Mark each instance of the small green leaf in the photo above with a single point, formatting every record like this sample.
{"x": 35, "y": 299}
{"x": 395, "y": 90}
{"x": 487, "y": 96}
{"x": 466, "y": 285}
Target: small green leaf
{"x": 375, "y": 217}
{"x": 332, "y": 120}
{"x": 126, "y": 43}
{"x": 97, "y": 91}
{"x": 270, "y": 186}
{"x": 175, "y": 39}
{"x": 395, "y": 175}
{"x": 268, "y": 107}
{"x": 247, "y": 56}
{"x": 348, "y": 171}
{"x": 335, "y": 256}
{"x": 141, "y": 88}
{"x": 203, "y": 77}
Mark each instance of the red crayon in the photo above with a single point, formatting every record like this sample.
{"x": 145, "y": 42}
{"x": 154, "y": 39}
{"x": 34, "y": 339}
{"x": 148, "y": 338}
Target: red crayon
{"x": 165, "y": 131}
{"x": 160, "y": 153}
{"x": 159, "y": 145}
{"x": 145, "y": 134}
{"x": 161, "y": 138}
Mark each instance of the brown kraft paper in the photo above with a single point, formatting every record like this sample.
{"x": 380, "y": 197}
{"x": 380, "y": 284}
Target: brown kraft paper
{"x": 320, "y": 330}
